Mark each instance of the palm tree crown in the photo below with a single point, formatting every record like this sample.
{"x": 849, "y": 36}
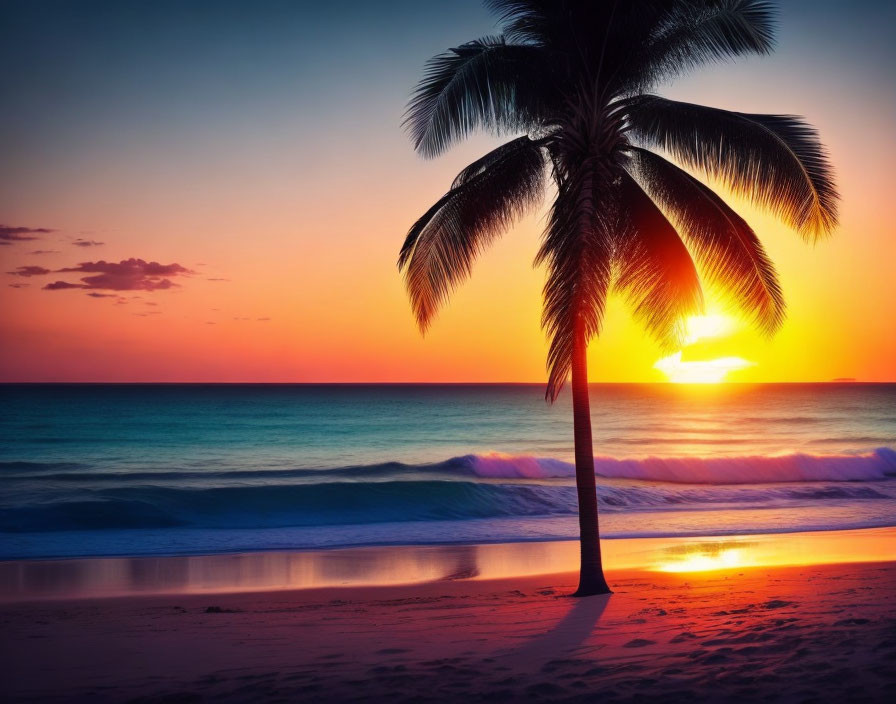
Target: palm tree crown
{"x": 574, "y": 79}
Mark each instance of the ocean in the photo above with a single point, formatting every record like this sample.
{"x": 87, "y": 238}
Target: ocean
{"x": 180, "y": 469}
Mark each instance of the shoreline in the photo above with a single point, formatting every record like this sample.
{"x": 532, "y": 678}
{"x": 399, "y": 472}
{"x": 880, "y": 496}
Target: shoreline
{"x": 280, "y": 570}
{"x": 678, "y": 535}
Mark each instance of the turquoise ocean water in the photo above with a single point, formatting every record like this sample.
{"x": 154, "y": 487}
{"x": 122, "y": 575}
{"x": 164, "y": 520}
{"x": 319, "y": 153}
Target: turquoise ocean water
{"x": 184, "y": 469}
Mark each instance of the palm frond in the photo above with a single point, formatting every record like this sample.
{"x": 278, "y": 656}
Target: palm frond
{"x": 528, "y": 21}
{"x": 777, "y": 161}
{"x": 725, "y": 246}
{"x": 652, "y": 268}
{"x": 494, "y": 156}
{"x": 629, "y": 46}
{"x": 693, "y": 33}
{"x": 440, "y": 248}
{"x": 577, "y": 250}
{"x": 485, "y": 83}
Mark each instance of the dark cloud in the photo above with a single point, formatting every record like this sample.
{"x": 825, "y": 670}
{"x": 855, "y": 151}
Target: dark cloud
{"x": 94, "y": 294}
{"x": 87, "y": 243}
{"x": 29, "y": 271}
{"x": 19, "y": 285}
{"x": 44, "y": 251}
{"x": 10, "y": 234}
{"x": 218, "y": 279}
{"x": 126, "y": 275}
{"x": 60, "y": 285}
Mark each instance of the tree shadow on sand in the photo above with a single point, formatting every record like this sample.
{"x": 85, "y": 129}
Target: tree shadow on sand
{"x": 564, "y": 639}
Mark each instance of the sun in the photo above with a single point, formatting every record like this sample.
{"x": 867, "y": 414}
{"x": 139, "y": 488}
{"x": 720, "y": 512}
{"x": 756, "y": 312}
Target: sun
{"x": 708, "y": 371}
{"x": 702, "y": 327}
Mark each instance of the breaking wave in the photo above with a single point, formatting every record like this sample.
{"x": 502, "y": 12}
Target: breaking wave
{"x": 348, "y": 503}
{"x": 751, "y": 469}
{"x": 760, "y": 469}
{"x": 468, "y": 487}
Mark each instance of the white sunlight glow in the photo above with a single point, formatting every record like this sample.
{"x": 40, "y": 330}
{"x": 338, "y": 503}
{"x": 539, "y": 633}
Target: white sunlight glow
{"x": 709, "y": 371}
{"x": 727, "y": 558}
{"x": 703, "y": 327}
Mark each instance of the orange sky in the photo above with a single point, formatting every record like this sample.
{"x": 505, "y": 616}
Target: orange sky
{"x": 300, "y": 198}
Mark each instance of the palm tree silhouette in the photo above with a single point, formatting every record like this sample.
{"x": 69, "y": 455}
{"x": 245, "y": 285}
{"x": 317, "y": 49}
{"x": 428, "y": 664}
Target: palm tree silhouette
{"x": 574, "y": 77}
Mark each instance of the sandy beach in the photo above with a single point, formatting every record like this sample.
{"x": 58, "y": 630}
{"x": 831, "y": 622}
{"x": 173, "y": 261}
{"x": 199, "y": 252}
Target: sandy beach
{"x": 758, "y": 633}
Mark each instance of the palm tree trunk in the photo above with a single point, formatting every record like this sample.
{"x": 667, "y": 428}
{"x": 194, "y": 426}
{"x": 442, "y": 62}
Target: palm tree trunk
{"x": 591, "y": 574}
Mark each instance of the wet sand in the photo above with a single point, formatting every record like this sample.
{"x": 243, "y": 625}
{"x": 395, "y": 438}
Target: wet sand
{"x": 778, "y": 634}
{"x": 29, "y": 580}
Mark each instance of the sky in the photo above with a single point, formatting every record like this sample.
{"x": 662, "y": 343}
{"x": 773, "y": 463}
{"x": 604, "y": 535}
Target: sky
{"x": 217, "y": 191}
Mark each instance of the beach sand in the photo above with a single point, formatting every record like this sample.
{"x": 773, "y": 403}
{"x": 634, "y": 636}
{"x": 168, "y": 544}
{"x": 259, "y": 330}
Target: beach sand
{"x": 778, "y": 634}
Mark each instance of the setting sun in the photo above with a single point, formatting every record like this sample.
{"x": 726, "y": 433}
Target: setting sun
{"x": 702, "y": 327}
{"x": 708, "y": 371}
{"x": 711, "y": 371}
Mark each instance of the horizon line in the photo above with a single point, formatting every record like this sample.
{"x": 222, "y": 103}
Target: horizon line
{"x": 429, "y": 383}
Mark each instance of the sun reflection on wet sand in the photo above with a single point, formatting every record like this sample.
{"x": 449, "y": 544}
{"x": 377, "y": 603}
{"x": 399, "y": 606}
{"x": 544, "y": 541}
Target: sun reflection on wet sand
{"x": 702, "y": 557}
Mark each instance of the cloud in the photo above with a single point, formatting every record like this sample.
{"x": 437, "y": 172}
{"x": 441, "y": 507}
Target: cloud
{"x": 217, "y": 279}
{"x": 60, "y": 285}
{"x": 126, "y": 275}
{"x": 94, "y": 294}
{"x": 44, "y": 251}
{"x": 19, "y": 285}
{"x": 87, "y": 243}
{"x": 262, "y": 320}
{"x": 29, "y": 271}
{"x": 10, "y": 234}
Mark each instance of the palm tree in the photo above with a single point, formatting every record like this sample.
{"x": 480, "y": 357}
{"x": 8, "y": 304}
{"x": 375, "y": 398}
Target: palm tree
{"x": 573, "y": 79}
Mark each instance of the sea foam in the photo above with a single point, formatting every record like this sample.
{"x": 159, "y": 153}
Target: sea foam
{"x": 755, "y": 469}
